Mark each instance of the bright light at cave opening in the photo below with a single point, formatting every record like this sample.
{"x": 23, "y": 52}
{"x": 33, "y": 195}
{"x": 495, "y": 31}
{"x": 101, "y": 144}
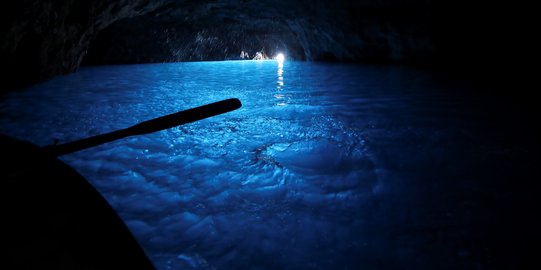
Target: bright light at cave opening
{"x": 280, "y": 58}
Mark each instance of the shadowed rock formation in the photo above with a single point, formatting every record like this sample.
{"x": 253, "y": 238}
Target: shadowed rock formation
{"x": 41, "y": 39}
{"x": 304, "y": 30}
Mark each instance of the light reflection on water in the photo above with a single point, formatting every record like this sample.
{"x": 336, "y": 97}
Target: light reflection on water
{"x": 280, "y": 85}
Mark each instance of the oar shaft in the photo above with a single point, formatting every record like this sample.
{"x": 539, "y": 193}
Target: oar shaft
{"x": 157, "y": 124}
{"x": 185, "y": 117}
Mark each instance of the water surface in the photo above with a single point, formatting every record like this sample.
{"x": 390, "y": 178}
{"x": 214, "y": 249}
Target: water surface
{"x": 326, "y": 166}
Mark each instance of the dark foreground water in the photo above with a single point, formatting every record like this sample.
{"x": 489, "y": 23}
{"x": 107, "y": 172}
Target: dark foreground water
{"x": 325, "y": 166}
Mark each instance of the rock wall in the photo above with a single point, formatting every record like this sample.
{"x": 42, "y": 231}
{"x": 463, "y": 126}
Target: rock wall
{"x": 43, "y": 38}
{"x": 305, "y": 30}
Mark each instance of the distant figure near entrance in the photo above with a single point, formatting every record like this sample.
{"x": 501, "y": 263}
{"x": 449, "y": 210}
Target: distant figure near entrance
{"x": 244, "y": 55}
{"x": 260, "y": 56}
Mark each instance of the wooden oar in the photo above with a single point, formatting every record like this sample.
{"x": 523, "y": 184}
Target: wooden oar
{"x": 153, "y": 125}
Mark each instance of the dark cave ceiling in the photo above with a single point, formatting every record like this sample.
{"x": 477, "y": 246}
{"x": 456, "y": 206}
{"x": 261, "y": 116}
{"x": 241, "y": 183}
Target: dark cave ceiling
{"x": 41, "y": 39}
{"x": 304, "y": 30}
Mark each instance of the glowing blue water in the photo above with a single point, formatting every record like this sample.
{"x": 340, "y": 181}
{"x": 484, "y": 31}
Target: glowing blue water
{"x": 326, "y": 166}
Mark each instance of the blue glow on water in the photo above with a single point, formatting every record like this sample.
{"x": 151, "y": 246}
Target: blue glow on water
{"x": 326, "y": 166}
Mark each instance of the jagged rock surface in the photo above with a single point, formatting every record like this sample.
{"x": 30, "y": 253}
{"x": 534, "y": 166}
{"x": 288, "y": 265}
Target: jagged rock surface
{"x": 305, "y": 30}
{"x": 40, "y": 39}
